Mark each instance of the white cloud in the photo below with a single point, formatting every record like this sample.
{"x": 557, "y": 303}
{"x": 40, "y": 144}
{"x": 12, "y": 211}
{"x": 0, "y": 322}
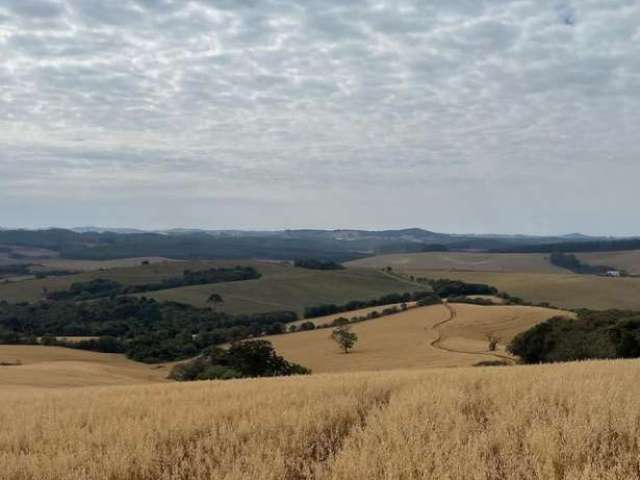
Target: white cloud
{"x": 448, "y": 104}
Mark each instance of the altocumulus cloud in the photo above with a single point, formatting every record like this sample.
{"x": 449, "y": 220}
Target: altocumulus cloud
{"x": 509, "y": 115}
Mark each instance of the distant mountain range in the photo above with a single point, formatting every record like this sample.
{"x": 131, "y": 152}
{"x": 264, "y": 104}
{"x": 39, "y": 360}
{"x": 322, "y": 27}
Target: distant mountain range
{"x": 408, "y": 234}
{"x": 337, "y": 245}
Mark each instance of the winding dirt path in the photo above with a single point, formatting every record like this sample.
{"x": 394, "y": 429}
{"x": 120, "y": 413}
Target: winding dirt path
{"x": 437, "y": 343}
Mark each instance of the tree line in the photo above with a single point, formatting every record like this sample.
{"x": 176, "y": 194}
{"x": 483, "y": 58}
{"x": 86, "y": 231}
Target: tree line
{"x": 144, "y": 329}
{"x": 101, "y": 287}
{"x": 331, "y": 308}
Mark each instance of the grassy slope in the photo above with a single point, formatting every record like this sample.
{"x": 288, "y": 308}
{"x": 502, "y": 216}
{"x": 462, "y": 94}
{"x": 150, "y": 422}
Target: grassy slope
{"x": 282, "y": 286}
{"x": 563, "y": 290}
{"x": 31, "y": 290}
{"x": 405, "y": 340}
{"x": 556, "y": 286}
{"x": 484, "y": 262}
{"x": 571, "y": 421}
{"x": 63, "y": 367}
{"x": 289, "y": 288}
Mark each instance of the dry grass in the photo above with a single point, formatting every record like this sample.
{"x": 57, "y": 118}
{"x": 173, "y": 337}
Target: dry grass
{"x": 415, "y": 339}
{"x": 463, "y": 261}
{"x": 469, "y": 330}
{"x": 565, "y": 290}
{"x": 561, "y": 422}
{"x": 56, "y": 367}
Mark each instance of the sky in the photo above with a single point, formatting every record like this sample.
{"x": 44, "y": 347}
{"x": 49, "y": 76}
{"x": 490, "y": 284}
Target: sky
{"x": 504, "y": 116}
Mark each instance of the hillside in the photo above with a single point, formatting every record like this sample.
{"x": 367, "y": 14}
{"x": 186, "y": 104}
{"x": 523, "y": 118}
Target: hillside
{"x": 529, "y": 276}
{"x": 32, "y": 290}
{"x": 464, "y": 261}
{"x": 561, "y": 422}
{"x": 435, "y": 336}
{"x": 56, "y": 367}
{"x": 563, "y": 290}
{"x": 281, "y": 287}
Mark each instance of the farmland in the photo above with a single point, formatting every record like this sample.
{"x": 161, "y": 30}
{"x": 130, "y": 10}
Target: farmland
{"x": 525, "y": 278}
{"x": 461, "y": 261}
{"x": 282, "y": 287}
{"x": 512, "y": 423}
{"x": 562, "y": 290}
{"x": 32, "y": 290}
{"x": 435, "y": 336}
{"x": 56, "y": 367}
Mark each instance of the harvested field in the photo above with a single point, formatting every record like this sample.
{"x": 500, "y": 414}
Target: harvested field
{"x": 415, "y": 339}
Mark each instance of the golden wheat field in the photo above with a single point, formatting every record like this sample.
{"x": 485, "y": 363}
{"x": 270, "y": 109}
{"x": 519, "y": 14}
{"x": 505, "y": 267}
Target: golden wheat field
{"x": 435, "y": 336}
{"x": 57, "y": 367}
{"x": 568, "y": 421}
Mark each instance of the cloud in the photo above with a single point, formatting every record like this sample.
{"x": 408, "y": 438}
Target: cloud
{"x": 450, "y": 103}
{"x": 35, "y": 8}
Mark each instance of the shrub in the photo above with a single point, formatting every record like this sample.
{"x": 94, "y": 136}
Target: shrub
{"x": 307, "y": 326}
{"x": 218, "y": 372}
{"x": 255, "y": 358}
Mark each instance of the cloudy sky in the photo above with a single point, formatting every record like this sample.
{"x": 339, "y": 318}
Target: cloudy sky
{"x": 453, "y": 115}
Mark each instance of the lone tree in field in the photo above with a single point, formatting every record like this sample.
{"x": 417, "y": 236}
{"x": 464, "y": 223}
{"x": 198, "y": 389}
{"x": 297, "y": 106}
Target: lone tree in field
{"x": 493, "y": 342}
{"x": 215, "y": 300}
{"x": 344, "y": 337}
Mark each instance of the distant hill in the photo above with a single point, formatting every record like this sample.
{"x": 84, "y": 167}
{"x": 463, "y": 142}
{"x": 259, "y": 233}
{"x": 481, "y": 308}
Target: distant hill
{"x": 94, "y": 243}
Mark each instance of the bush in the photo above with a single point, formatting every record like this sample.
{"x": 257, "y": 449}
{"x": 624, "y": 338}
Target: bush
{"x": 432, "y": 299}
{"x": 255, "y": 358}
{"x": 307, "y": 326}
{"x": 218, "y": 372}
{"x": 339, "y": 322}
{"x": 593, "y": 335}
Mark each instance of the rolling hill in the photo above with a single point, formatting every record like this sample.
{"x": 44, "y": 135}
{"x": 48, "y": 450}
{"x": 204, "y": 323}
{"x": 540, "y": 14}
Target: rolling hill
{"x": 463, "y": 261}
{"x": 281, "y": 287}
{"x": 562, "y": 290}
{"x": 56, "y": 367}
{"x": 529, "y": 276}
{"x": 424, "y": 337}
